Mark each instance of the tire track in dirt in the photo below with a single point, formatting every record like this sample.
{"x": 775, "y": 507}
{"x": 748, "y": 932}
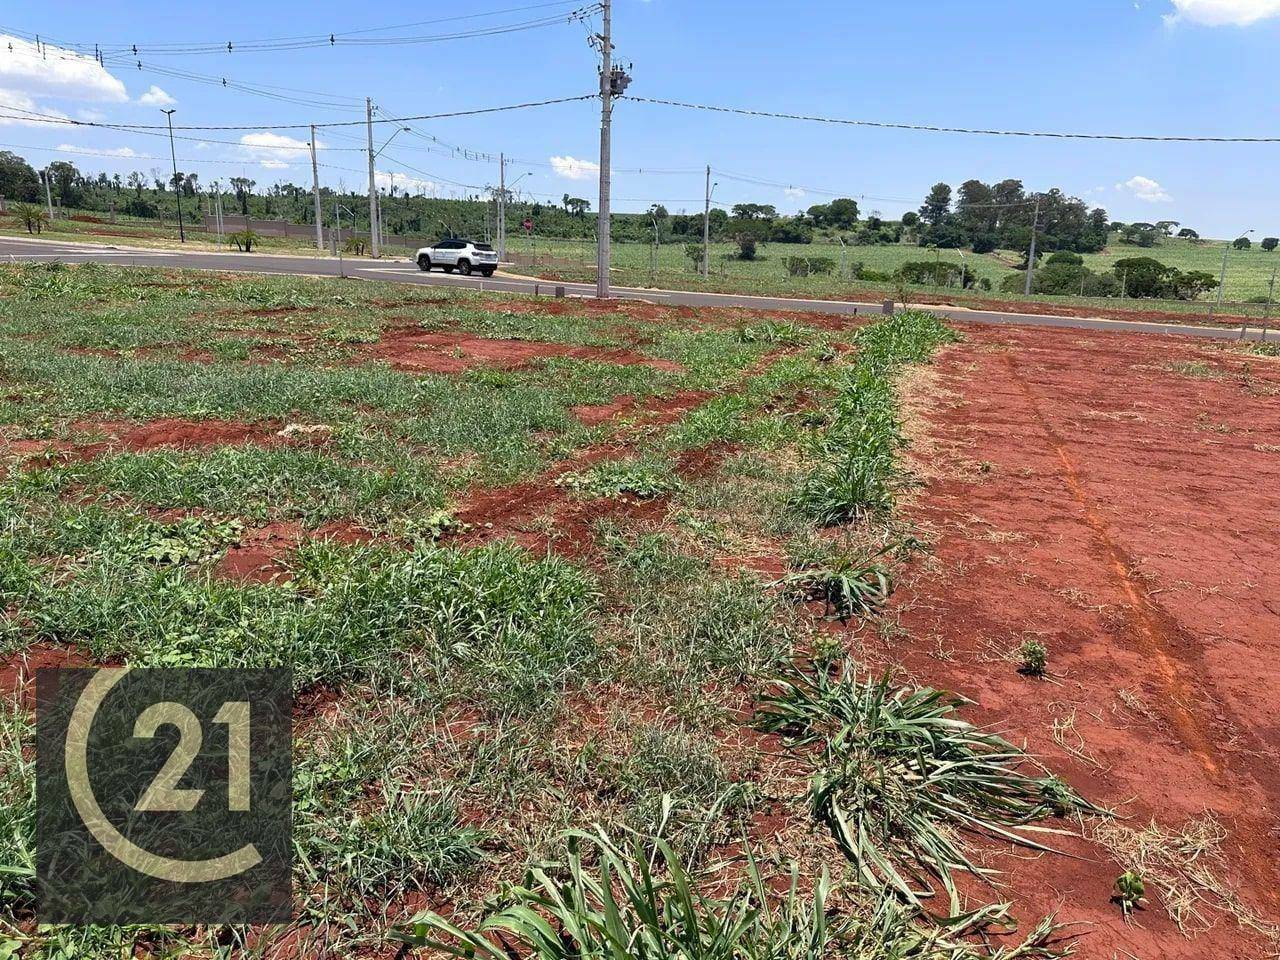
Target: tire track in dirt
{"x": 1157, "y": 631}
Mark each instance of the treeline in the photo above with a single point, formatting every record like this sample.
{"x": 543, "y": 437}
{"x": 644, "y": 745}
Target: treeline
{"x": 1002, "y": 216}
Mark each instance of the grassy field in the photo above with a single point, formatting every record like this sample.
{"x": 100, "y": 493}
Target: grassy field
{"x": 635, "y": 264}
{"x": 532, "y": 567}
{"x": 1248, "y": 275}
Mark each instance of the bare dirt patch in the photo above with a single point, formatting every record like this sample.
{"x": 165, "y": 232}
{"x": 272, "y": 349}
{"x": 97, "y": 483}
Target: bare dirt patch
{"x": 1077, "y": 499}
{"x": 414, "y": 349}
{"x": 18, "y": 670}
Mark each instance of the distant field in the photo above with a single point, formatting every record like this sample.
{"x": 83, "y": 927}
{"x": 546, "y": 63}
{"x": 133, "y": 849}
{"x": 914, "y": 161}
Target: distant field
{"x": 1248, "y": 271}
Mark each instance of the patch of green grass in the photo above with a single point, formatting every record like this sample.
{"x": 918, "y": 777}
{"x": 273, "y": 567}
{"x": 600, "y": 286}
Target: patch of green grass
{"x": 515, "y": 629}
{"x": 1197, "y": 369}
{"x": 856, "y": 473}
{"x": 363, "y": 831}
{"x": 643, "y": 479}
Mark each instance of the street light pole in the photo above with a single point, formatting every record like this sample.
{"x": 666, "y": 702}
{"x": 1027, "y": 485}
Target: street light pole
{"x": 177, "y": 187}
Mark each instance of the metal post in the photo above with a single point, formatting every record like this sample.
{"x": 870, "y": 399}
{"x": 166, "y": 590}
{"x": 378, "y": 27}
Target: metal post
{"x": 1266, "y": 313}
{"x": 337, "y": 215}
{"x": 177, "y": 187}
{"x": 315, "y": 191}
{"x": 374, "y": 239}
{"x": 502, "y": 207}
{"x": 1222, "y": 279}
{"x": 48, "y": 194}
{"x": 706, "y": 227}
{"x": 1031, "y": 254}
{"x": 606, "y": 117}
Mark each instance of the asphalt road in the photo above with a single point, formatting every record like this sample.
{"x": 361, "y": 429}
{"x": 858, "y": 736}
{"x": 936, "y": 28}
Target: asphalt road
{"x": 401, "y": 271}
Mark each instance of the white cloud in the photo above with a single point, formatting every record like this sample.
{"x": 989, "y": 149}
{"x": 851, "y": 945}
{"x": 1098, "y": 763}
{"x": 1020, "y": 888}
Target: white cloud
{"x": 104, "y": 151}
{"x": 1219, "y": 13}
{"x": 20, "y": 101}
{"x": 275, "y": 151}
{"x": 794, "y": 193}
{"x": 1145, "y": 189}
{"x": 54, "y": 72}
{"x": 573, "y": 169}
{"x": 403, "y": 183}
{"x": 155, "y": 97}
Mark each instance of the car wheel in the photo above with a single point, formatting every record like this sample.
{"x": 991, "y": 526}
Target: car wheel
{"x": 487, "y": 273}
{"x": 464, "y": 267}
{"x": 424, "y": 263}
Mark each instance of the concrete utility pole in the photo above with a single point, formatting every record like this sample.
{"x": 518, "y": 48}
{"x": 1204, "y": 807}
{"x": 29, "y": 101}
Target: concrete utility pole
{"x": 315, "y": 191}
{"x": 606, "y": 149}
{"x": 177, "y": 187}
{"x": 48, "y": 194}
{"x": 706, "y": 227}
{"x": 374, "y": 245}
{"x": 502, "y": 207}
{"x": 1031, "y": 254}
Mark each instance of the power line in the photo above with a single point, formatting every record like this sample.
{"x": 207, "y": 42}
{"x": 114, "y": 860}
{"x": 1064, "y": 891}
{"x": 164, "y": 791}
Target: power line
{"x": 37, "y": 117}
{"x": 740, "y": 111}
{"x": 333, "y": 39}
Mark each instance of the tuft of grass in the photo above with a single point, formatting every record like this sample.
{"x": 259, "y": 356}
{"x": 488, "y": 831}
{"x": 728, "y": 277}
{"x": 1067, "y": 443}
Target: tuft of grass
{"x": 849, "y": 585}
{"x": 608, "y": 899}
{"x": 1035, "y": 658}
{"x": 897, "y": 774}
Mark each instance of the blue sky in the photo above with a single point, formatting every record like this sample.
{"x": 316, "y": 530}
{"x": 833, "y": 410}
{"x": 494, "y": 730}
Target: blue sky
{"x": 1191, "y": 67}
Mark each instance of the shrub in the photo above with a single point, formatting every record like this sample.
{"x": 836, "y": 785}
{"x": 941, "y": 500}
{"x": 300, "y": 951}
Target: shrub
{"x": 355, "y": 246}
{"x": 243, "y": 240}
{"x": 1035, "y": 658}
{"x": 32, "y": 216}
{"x": 1270, "y": 243}
{"x": 937, "y": 273}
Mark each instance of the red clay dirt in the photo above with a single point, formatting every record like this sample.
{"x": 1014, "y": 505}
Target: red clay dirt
{"x": 18, "y": 670}
{"x": 414, "y": 349}
{"x": 166, "y": 433}
{"x": 540, "y": 514}
{"x": 1084, "y": 494}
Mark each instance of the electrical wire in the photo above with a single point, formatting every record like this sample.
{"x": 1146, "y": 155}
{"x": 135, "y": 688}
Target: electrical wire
{"x": 1145, "y": 138}
{"x": 37, "y": 117}
{"x": 333, "y": 39}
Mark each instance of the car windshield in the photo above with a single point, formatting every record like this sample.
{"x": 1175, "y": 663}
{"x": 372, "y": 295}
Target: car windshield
{"x": 483, "y": 246}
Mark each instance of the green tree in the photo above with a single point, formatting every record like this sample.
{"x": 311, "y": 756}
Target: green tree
{"x": 754, "y": 211}
{"x": 1242, "y": 243}
{"x": 18, "y": 181}
{"x": 1186, "y": 233}
{"x": 936, "y": 205}
{"x": 1270, "y": 243}
{"x": 842, "y": 213}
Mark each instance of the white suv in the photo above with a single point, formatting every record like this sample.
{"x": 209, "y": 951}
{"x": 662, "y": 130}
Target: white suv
{"x": 462, "y": 255}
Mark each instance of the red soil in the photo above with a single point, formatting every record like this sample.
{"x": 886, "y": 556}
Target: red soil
{"x": 539, "y": 514}
{"x": 169, "y": 432}
{"x": 414, "y": 349}
{"x": 18, "y": 670}
{"x": 1085, "y": 495}
{"x": 260, "y": 555}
